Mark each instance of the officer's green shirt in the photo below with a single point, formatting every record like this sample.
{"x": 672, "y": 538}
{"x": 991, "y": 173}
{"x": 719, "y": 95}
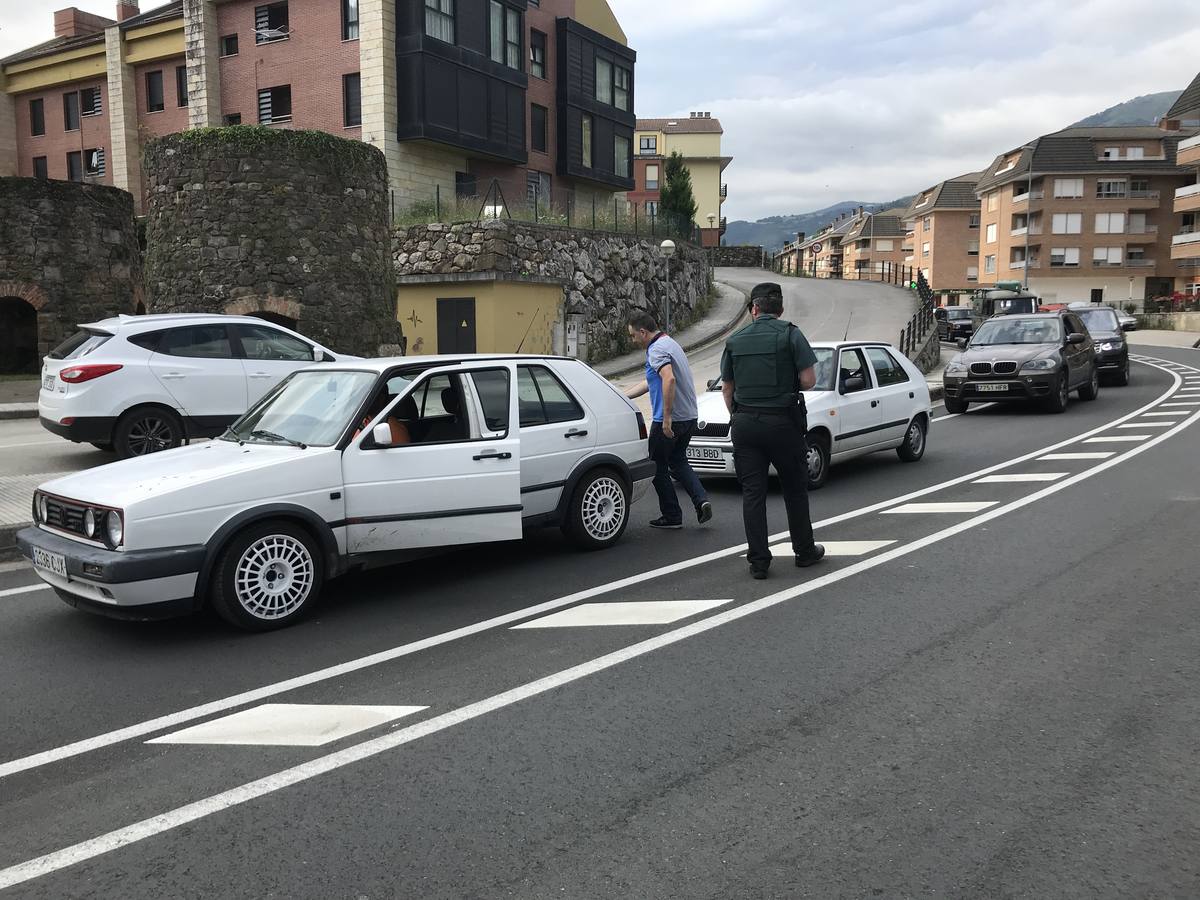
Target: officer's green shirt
{"x": 762, "y": 381}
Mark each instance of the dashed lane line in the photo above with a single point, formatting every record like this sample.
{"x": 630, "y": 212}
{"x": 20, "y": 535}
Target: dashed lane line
{"x": 1122, "y": 439}
{"x": 1020, "y": 478}
{"x": 9, "y": 592}
{"x": 1105, "y": 454}
{"x": 200, "y": 809}
{"x": 937, "y": 508}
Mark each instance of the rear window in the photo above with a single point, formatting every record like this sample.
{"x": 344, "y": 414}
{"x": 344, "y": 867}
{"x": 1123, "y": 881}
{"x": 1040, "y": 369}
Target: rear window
{"x": 81, "y": 343}
{"x": 960, "y": 312}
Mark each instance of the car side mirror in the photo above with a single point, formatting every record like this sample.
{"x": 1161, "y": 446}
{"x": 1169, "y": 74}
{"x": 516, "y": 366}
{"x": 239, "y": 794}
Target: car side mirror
{"x": 1077, "y": 339}
{"x": 381, "y": 435}
{"x": 854, "y": 383}
{"x": 962, "y": 343}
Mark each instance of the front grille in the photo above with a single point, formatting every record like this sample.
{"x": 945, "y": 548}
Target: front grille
{"x": 713, "y": 430}
{"x": 981, "y": 368}
{"x": 1004, "y": 368}
{"x": 65, "y": 516}
{"x": 718, "y": 464}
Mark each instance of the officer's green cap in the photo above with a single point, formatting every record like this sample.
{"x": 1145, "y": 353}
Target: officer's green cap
{"x": 766, "y": 289}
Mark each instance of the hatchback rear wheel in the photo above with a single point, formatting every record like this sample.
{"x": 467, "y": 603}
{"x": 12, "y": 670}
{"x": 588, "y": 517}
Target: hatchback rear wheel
{"x": 913, "y": 447}
{"x": 146, "y": 430}
{"x": 598, "y": 511}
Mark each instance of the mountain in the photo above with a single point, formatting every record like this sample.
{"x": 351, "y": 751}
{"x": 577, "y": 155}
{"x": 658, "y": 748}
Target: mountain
{"x": 775, "y": 231}
{"x": 1145, "y": 110}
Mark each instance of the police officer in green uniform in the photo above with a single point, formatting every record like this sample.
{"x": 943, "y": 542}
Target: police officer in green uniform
{"x": 763, "y": 370}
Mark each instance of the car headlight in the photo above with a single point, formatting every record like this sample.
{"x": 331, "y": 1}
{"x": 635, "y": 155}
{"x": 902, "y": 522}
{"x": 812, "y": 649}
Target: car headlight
{"x": 956, "y": 368}
{"x": 89, "y": 523}
{"x": 1039, "y": 365}
{"x": 114, "y": 528}
{"x": 1107, "y": 345}
{"x": 41, "y": 507}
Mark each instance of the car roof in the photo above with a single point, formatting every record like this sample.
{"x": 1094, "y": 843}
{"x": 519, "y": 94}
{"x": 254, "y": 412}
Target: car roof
{"x": 383, "y": 364}
{"x": 158, "y": 320}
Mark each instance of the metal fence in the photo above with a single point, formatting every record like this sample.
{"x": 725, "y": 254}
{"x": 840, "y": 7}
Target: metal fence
{"x": 916, "y": 332}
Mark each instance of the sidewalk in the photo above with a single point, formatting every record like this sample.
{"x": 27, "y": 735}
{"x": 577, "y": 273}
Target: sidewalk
{"x": 18, "y": 399}
{"x": 1152, "y": 338}
{"x": 727, "y": 311}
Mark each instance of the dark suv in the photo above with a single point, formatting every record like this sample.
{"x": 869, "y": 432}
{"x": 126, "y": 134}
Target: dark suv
{"x": 1040, "y": 356}
{"x": 1112, "y": 353}
{"x": 954, "y": 322}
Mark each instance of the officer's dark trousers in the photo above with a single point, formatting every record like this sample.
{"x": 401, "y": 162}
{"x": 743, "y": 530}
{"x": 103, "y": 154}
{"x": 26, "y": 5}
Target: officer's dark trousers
{"x": 761, "y": 440}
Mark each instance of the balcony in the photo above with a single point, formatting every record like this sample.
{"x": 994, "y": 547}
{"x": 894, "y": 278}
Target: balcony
{"x": 724, "y": 192}
{"x": 1138, "y": 263}
{"x": 1187, "y": 198}
{"x": 1143, "y": 199}
{"x": 1021, "y": 264}
{"x": 1141, "y": 229}
{"x": 1189, "y": 152}
{"x": 1024, "y": 230}
{"x": 1186, "y": 244}
{"x": 1027, "y": 196}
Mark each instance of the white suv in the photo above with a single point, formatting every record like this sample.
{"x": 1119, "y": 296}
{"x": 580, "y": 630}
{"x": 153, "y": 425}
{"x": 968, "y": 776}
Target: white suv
{"x": 139, "y": 384}
{"x": 342, "y": 467}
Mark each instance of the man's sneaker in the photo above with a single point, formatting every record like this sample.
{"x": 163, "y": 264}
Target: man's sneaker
{"x": 704, "y": 512}
{"x": 664, "y": 522}
{"x": 813, "y": 557}
{"x": 758, "y": 573}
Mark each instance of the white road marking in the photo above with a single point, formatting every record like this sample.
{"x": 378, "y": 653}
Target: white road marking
{"x": 172, "y": 720}
{"x": 1177, "y": 412}
{"x": 8, "y": 592}
{"x": 1129, "y": 438}
{"x": 289, "y": 725}
{"x": 146, "y": 828}
{"x": 1185, "y": 403}
{"x": 29, "y": 444}
{"x": 650, "y": 612}
{"x": 930, "y": 508}
{"x": 1148, "y": 425}
{"x": 836, "y": 548}
{"x": 947, "y": 418}
{"x": 1053, "y": 456}
{"x": 1030, "y": 477}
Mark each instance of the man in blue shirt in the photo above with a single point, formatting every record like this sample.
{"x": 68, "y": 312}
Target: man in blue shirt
{"x": 673, "y": 400}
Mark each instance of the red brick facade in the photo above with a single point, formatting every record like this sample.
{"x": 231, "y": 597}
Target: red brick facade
{"x": 57, "y": 142}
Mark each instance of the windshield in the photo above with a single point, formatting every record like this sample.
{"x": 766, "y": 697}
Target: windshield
{"x": 309, "y": 408}
{"x": 1018, "y": 331}
{"x": 1015, "y": 305}
{"x": 824, "y": 371}
{"x": 1101, "y": 318}
{"x": 959, "y": 312}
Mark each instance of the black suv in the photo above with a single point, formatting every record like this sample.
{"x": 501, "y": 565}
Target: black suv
{"x": 954, "y": 322}
{"x": 1040, "y": 356}
{"x": 1112, "y": 353}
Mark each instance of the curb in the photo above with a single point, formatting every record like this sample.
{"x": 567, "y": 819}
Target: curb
{"x": 7, "y": 414}
{"x": 8, "y": 542}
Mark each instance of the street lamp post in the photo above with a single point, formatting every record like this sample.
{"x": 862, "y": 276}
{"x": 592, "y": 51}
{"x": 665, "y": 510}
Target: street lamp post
{"x": 667, "y": 249}
{"x": 712, "y": 218}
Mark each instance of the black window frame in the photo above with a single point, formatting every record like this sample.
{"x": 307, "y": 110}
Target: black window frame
{"x": 181, "y": 88}
{"x": 75, "y": 166}
{"x": 154, "y": 81}
{"x": 442, "y": 16}
{"x": 535, "y": 131}
{"x": 37, "y": 117}
{"x": 577, "y": 413}
{"x": 273, "y": 91}
{"x": 352, "y": 100}
{"x": 618, "y": 89}
{"x": 508, "y": 54}
{"x": 895, "y": 367}
{"x": 538, "y": 47}
{"x": 265, "y": 14}
{"x": 648, "y": 145}
{"x": 350, "y": 19}
{"x": 71, "y": 108}
{"x": 100, "y": 168}
{"x": 231, "y": 119}
{"x": 587, "y": 140}
{"x": 226, "y": 41}
{"x": 41, "y": 163}
{"x": 91, "y": 101}
{"x": 608, "y": 83}
{"x": 617, "y": 140}
{"x": 466, "y": 184}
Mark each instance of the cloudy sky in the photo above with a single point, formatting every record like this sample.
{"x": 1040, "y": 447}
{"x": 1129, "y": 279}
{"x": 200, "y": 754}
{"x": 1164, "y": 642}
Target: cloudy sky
{"x": 865, "y": 101}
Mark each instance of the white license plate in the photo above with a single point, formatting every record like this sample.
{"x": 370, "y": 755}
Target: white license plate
{"x": 55, "y": 563}
{"x": 709, "y": 453}
{"x": 48, "y": 382}
{"x": 985, "y": 388}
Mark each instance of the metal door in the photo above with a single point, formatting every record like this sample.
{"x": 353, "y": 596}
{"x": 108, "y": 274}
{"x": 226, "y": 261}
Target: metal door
{"x": 456, "y": 325}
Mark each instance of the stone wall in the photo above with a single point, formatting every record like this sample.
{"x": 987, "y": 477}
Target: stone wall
{"x": 606, "y": 277}
{"x": 746, "y": 257}
{"x": 295, "y": 223}
{"x": 68, "y": 254}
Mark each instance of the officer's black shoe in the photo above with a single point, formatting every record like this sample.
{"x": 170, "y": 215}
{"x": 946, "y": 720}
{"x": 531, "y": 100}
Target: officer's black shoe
{"x": 704, "y": 512}
{"x": 758, "y": 573}
{"x": 811, "y": 558}
{"x": 664, "y": 522}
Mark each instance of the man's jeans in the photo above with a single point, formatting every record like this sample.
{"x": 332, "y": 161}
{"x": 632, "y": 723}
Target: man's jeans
{"x": 670, "y": 455}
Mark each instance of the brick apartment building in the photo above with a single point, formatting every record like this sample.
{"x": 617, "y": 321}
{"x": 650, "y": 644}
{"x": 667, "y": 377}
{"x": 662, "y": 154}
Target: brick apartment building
{"x": 536, "y": 94}
{"x": 1185, "y": 243}
{"x": 873, "y": 245}
{"x": 1085, "y": 214}
{"x": 942, "y": 235}
{"x": 698, "y": 139}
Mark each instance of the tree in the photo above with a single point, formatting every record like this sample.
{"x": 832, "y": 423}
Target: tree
{"x": 676, "y": 201}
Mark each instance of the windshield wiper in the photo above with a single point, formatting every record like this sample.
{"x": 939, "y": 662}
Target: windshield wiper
{"x": 272, "y": 436}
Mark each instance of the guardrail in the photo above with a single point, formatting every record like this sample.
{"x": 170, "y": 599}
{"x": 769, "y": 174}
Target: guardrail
{"x": 915, "y": 333}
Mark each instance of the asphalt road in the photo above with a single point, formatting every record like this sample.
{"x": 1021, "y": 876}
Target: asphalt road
{"x": 999, "y": 702}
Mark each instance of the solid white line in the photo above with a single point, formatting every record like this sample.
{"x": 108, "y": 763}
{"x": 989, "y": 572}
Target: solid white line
{"x": 1028, "y": 477}
{"x": 1186, "y": 403}
{"x": 172, "y": 720}
{"x": 1117, "y": 440}
{"x": 122, "y": 837}
{"x": 1056, "y": 456}
{"x": 8, "y": 592}
{"x": 1178, "y": 412}
{"x": 1148, "y": 425}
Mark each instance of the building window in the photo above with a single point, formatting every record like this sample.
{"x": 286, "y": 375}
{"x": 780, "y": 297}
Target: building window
{"x": 71, "y": 111}
{"x": 464, "y": 185}
{"x": 604, "y": 81}
{"x": 537, "y": 188}
{"x": 349, "y": 20}
{"x": 352, "y": 100}
{"x": 181, "y": 88}
{"x": 1135, "y": 153}
{"x": 621, "y": 154}
{"x": 648, "y": 145}
{"x": 1064, "y": 257}
{"x": 275, "y": 104}
{"x": 993, "y": 201}
{"x": 884, "y": 246}
{"x": 652, "y": 208}
{"x": 229, "y": 45}
{"x": 505, "y": 26}
{"x": 972, "y": 248}
{"x": 1066, "y": 223}
{"x": 1109, "y": 188}
{"x": 585, "y": 129}
{"x": 75, "y": 166}
{"x": 973, "y": 221}
{"x": 927, "y": 223}
{"x": 1068, "y": 188}
{"x": 439, "y": 20}
{"x": 89, "y": 102}
{"x": 991, "y": 233}
{"x": 40, "y": 169}
{"x": 972, "y": 273}
{"x": 232, "y": 119}
{"x": 989, "y": 264}
{"x": 925, "y": 249}
{"x": 537, "y": 54}
{"x": 93, "y": 163}
{"x": 652, "y": 178}
{"x": 621, "y": 78}
{"x": 1107, "y": 256}
{"x": 1110, "y": 223}
{"x": 538, "y": 127}
{"x": 271, "y": 23}
{"x": 37, "y": 117}
{"x": 154, "y": 91}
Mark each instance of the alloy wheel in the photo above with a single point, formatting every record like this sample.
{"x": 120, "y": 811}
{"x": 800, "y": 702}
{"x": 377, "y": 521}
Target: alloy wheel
{"x": 603, "y": 508}
{"x": 274, "y": 577}
{"x": 150, "y": 434}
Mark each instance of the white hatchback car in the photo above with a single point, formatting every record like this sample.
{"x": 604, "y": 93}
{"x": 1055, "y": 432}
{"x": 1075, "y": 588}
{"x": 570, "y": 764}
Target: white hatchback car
{"x": 338, "y": 468}
{"x": 139, "y": 384}
{"x": 868, "y": 397}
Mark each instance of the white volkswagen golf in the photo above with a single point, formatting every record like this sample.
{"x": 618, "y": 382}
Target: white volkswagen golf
{"x": 868, "y": 397}
{"x": 344, "y": 467}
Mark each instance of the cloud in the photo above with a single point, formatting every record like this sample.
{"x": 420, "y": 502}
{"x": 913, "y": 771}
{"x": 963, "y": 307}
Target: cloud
{"x": 24, "y": 23}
